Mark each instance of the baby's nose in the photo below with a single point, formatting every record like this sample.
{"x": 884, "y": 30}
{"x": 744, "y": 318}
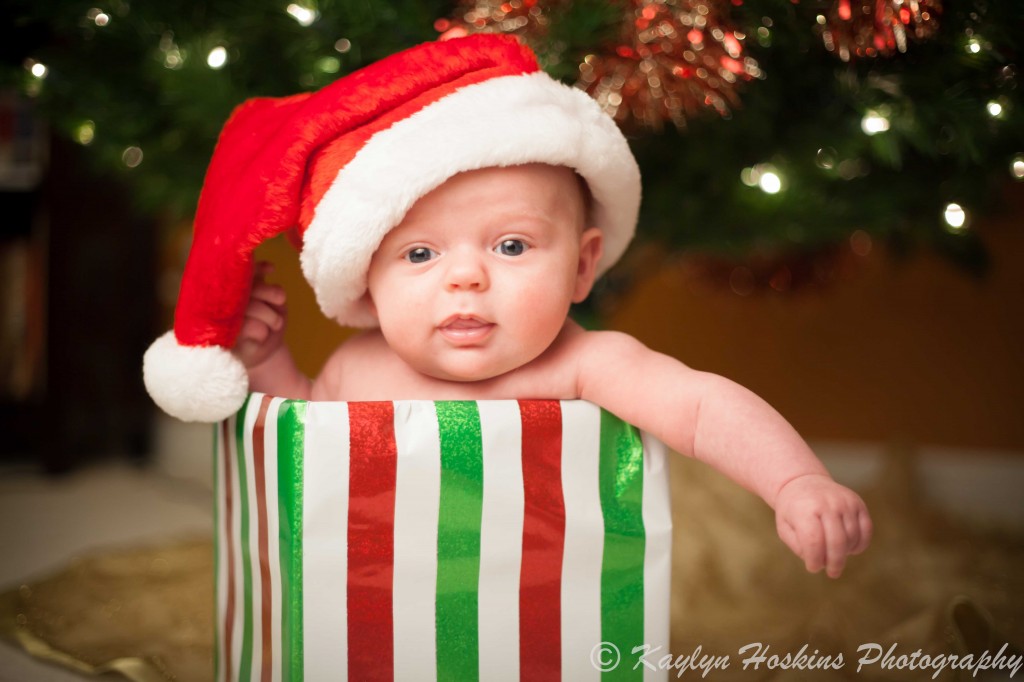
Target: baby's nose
{"x": 466, "y": 271}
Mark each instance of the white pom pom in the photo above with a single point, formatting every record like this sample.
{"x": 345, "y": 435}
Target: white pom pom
{"x": 194, "y": 383}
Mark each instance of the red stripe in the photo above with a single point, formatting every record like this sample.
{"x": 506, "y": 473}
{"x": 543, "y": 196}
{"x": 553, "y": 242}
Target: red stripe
{"x": 229, "y": 611}
{"x": 259, "y": 457}
{"x": 371, "y": 544}
{"x": 540, "y": 581}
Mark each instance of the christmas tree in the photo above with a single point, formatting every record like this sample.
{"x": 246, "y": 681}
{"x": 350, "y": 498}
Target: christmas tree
{"x": 767, "y": 130}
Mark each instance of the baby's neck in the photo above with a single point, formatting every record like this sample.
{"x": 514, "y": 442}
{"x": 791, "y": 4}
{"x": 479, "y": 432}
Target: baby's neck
{"x": 366, "y": 369}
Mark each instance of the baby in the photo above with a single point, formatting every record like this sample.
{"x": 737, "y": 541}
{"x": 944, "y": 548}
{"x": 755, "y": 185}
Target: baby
{"x": 472, "y": 290}
{"x": 468, "y": 285}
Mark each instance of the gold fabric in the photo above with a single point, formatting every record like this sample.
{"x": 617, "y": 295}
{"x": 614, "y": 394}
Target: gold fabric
{"x": 145, "y": 613}
{"x": 926, "y": 583}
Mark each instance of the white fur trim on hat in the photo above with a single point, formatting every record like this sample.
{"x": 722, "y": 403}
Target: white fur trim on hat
{"x": 194, "y": 383}
{"x": 504, "y": 121}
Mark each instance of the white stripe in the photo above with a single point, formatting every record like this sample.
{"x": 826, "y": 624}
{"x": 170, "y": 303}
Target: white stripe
{"x": 584, "y": 537}
{"x": 657, "y": 517}
{"x": 324, "y": 541}
{"x": 222, "y": 534}
{"x": 417, "y": 501}
{"x": 236, "y": 536}
{"x": 501, "y": 540}
{"x": 256, "y": 593}
{"x": 273, "y": 534}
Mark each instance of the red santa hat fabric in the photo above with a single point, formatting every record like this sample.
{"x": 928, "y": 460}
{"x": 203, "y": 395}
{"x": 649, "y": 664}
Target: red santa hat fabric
{"x": 338, "y": 168}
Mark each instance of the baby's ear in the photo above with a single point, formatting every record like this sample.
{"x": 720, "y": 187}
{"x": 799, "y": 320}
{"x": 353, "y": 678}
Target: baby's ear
{"x": 591, "y": 248}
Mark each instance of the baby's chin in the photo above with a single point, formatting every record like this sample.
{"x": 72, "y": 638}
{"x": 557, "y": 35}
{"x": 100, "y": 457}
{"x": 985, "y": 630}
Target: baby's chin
{"x": 467, "y": 371}
{"x": 462, "y": 377}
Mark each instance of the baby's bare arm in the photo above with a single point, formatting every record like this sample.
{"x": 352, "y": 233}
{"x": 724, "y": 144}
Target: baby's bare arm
{"x": 730, "y": 428}
{"x": 695, "y": 413}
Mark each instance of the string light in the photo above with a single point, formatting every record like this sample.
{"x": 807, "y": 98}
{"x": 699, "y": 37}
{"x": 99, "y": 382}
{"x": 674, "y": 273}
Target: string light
{"x": 973, "y": 46}
{"x": 328, "y": 65}
{"x": 98, "y": 16}
{"x": 85, "y": 133}
{"x": 217, "y": 58}
{"x": 874, "y": 122}
{"x": 1017, "y": 167}
{"x": 304, "y": 15}
{"x": 764, "y": 36}
{"x": 764, "y": 176}
{"x": 955, "y": 217}
{"x": 995, "y": 109}
{"x": 132, "y": 156}
{"x": 174, "y": 58}
{"x": 770, "y": 182}
{"x": 37, "y": 69}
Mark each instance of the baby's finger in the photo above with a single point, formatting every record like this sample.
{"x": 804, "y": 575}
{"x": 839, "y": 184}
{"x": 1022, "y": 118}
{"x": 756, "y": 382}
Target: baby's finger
{"x": 867, "y": 529}
{"x": 269, "y": 315}
{"x": 851, "y": 525}
{"x": 788, "y": 536}
{"x": 835, "y": 540}
{"x": 268, "y": 293}
{"x": 253, "y": 330}
{"x": 812, "y": 542}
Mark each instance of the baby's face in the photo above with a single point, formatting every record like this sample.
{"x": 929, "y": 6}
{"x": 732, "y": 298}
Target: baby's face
{"x": 478, "y": 278}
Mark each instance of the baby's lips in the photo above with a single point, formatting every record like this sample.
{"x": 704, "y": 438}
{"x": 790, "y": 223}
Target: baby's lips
{"x": 464, "y": 322}
{"x": 465, "y": 329}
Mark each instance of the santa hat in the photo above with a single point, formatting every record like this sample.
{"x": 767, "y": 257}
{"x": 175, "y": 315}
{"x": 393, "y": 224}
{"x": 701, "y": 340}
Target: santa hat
{"x": 338, "y": 168}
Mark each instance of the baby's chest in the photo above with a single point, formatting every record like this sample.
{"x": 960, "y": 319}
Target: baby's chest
{"x": 388, "y": 380}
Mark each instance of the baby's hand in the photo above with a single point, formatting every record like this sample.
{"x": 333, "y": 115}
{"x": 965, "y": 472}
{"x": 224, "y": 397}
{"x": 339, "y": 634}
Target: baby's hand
{"x": 262, "y": 331}
{"x": 822, "y": 522}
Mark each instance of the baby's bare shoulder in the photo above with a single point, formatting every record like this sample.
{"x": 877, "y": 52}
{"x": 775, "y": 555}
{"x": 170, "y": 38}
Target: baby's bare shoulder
{"x": 578, "y": 356}
{"x": 362, "y": 347}
{"x": 602, "y": 355}
{"x": 344, "y": 365}
{"x": 602, "y": 347}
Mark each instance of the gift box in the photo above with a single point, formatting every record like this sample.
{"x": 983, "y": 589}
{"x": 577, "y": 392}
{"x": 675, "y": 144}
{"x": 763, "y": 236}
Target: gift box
{"x": 450, "y": 540}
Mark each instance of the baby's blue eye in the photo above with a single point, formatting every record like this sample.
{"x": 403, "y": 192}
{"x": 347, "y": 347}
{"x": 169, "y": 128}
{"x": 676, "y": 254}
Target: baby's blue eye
{"x": 420, "y": 254}
{"x": 512, "y": 247}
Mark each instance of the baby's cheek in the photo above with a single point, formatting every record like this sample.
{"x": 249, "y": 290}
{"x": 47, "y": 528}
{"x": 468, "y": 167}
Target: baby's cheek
{"x": 541, "y": 324}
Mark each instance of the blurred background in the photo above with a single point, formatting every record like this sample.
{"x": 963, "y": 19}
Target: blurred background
{"x": 831, "y": 217}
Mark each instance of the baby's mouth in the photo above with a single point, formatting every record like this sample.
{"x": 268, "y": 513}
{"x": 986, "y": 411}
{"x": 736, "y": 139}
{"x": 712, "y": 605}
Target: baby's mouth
{"x": 465, "y": 329}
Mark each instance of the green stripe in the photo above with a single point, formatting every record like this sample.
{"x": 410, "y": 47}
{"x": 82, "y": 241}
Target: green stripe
{"x": 245, "y": 663}
{"x": 458, "y": 540}
{"x": 622, "y": 568}
{"x": 290, "y": 450}
{"x": 217, "y": 540}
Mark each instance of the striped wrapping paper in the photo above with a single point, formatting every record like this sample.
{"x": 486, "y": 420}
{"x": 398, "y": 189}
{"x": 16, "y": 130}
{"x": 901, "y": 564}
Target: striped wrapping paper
{"x": 418, "y": 540}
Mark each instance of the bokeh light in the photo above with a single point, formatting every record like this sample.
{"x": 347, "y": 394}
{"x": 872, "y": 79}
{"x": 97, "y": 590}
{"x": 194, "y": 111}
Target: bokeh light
{"x": 1017, "y": 167}
{"x": 955, "y": 217}
{"x": 217, "y": 58}
{"x": 874, "y": 122}
{"x": 304, "y": 15}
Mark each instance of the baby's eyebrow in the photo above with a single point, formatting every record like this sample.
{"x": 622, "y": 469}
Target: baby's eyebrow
{"x": 530, "y": 213}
